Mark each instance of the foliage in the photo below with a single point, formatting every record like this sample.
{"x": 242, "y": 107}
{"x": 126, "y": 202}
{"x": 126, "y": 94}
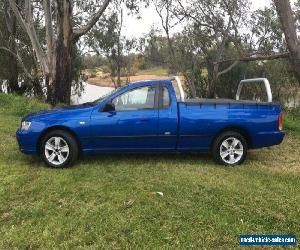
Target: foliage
{"x": 110, "y": 42}
{"x": 13, "y": 43}
{"x": 195, "y": 67}
{"x": 266, "y": 34}
{"x": 213, "y": 34}
{"x": 19, "y": 106}
{"x": 92, "y": 61}
{"x": 158, "y": 71}
{"x": 282, "y": 82}
{"x": 53, "y": 30}
{"x": 154, "y": 48}
{"x": 292, "y": 120}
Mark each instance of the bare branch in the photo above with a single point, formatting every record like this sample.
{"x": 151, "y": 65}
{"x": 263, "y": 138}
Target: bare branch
{"x": 16, "y": 11}
{"x": 224, "y": 40}
{"x": 49, "y": 30}
{"x": 195, "y": 19}
{"x": 235, "y": 63}
{"x": 7, "y": 16}
{"x": 18, "y": 57}
{"x": 93, "y": 20}
{"x": 28, "y": 26}
{"x": 257, "y": 58}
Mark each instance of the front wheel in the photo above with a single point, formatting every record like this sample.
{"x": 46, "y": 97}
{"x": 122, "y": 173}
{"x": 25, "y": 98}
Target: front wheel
{"x": 230, "y": 148}
{"x": 59, "y": 149}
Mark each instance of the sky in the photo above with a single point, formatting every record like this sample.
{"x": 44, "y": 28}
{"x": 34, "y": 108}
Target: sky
{"x": 135, "y": 28}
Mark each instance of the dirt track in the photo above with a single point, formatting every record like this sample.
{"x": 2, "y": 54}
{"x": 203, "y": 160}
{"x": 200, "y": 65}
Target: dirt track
{"x": 107, "y": 82}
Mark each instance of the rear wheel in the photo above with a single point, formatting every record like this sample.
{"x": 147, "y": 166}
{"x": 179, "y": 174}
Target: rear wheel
{"x": 59, "y": 149}
{"x": 230, "y": 148}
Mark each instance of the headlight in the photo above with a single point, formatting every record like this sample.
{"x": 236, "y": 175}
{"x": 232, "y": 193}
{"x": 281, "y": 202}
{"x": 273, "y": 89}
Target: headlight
{"x": 25, "y": 125}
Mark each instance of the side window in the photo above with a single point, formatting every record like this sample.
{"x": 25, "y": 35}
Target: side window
{"x": 166, "y": 100}
{"x": 140, "y": 98}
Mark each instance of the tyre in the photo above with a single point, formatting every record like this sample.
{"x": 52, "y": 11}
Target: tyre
{"x": 59, "y": 149}
{"x": 230, "y": 148}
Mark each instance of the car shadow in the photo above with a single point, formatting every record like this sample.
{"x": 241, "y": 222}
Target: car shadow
{"x": 125, "y": 158}
{"x": 146, "y": 157}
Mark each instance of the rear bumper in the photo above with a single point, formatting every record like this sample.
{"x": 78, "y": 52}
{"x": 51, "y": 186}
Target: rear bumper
{"x": 267, "y": 139}
{"x": 27, "y": 142}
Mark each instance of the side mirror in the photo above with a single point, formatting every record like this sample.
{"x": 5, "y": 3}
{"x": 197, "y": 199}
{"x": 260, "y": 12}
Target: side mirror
{"x": 109, "y": 107}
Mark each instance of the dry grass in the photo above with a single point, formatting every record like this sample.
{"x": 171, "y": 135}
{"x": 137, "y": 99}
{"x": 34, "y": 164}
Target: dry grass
{"x": 283, "y": 159}
{"x": 104, "y": 80}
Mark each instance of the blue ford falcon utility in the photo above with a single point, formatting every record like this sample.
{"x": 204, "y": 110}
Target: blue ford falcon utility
{"x": 153, "y": 116}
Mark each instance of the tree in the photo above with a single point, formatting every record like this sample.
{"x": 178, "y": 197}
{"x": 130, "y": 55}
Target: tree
{"x": 154, "y": 48}
{"x": 107, "y": 41}
{"x": 11, "y": 29}
{"x": 61, "y": 36}
{"x": 9, "y": 33}
{"x": 110, "y": 41}
{"x": 212, "y": 25}
{"x": 18, "y": 65}
{"x": 270, "y": 40}
{"x": 288, "y": 22}
{"x": 166, "y": 12}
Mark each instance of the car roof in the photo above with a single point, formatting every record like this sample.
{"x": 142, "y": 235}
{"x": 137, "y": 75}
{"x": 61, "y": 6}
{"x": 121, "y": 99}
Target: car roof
{"x": 146, "y": 82}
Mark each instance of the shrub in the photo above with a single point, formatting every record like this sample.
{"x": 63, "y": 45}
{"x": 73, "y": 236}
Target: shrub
{"x": 19, "y": 105}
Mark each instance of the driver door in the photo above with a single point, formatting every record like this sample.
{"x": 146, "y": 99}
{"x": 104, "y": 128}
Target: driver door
{"x": 132, "y": 126}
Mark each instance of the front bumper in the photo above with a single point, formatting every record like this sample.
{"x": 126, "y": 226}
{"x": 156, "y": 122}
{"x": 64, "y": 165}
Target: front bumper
{"x": 27, "y": 142}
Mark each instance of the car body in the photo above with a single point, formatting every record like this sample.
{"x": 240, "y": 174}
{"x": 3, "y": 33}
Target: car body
{"x": 149, "y": 116}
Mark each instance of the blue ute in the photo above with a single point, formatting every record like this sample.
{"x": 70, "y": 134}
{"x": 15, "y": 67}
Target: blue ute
{"x": 153, "y": 116}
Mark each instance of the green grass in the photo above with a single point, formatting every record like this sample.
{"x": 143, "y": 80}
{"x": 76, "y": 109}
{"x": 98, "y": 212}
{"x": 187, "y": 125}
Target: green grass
{"x": 110, "y": 201}
{"x": 292, "y": 122}
{"x": 153, "y": 71}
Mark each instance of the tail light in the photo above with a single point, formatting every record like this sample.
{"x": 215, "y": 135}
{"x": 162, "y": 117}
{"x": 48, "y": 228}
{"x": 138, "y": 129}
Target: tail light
{"x": 280, "y": 121}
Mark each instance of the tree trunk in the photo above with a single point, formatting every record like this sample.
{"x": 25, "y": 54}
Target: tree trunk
{"x": 13, "y": 84}
{"x": 191, "y": 85}
{"x": 62, "y": 70}
{"x": 37, "y": 88}
{"x": 119, "y": 63}
{"x": 213, "y": 69}
{"x": 286, "y": 17}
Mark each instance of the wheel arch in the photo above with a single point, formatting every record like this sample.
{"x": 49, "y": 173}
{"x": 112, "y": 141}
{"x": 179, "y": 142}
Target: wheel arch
{"x": 58, "y": 127}
{"x": 239, "y": 129}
